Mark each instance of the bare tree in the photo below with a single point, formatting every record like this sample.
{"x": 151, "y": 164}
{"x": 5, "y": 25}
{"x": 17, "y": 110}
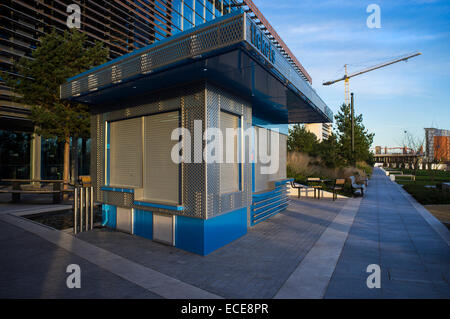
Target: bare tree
{"x": 415, "y": 144}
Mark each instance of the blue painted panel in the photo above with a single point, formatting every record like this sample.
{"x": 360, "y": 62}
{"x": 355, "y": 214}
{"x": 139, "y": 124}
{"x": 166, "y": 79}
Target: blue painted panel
{"x": 169, "y": 207}
{"x": 117, "y": 189}
{"x": 204, "y": 236}
{"x": 109, "y": 214}
{"x": 223, "y": 229}
{"x": 143, "y": 223}
{"x": 189, "y": 234}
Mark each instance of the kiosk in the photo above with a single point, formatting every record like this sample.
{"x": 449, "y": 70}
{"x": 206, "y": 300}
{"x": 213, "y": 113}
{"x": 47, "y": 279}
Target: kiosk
{"x": 155, "y": 114}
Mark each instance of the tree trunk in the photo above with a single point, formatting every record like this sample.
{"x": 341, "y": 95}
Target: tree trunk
{"x": 66, "y": 167}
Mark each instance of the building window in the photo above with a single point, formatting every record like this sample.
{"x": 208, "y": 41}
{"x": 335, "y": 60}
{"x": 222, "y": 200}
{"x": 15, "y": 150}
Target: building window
{"x": 230, "y": 172}
{"x": 126, "y": 153}
{"x": 15, "y": 154}
{"x": 161, "y": 174}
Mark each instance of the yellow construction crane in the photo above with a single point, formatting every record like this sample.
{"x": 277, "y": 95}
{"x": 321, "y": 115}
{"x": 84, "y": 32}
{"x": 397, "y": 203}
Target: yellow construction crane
{"x": 347, "y": 76}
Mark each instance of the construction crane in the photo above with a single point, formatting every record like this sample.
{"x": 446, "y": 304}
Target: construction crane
{"x": 346, "y": 78}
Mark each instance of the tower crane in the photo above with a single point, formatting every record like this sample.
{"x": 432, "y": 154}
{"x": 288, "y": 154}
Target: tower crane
{"x": 346, "y": 78}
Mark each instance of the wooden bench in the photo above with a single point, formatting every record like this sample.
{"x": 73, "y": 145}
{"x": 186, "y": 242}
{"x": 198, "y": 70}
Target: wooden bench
{"x": 338, "y": 185}
{"x": 17, "y": 190}
{"x": 316, "y": 184}
{"x": 356, "y": 187}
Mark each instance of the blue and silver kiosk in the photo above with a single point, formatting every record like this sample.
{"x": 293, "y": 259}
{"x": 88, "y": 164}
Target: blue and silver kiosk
{"x": 223, "y": 74}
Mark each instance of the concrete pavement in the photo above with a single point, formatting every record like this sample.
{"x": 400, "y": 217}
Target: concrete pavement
{"x": 314, "y": 249}
{"x": 392, "y": 230}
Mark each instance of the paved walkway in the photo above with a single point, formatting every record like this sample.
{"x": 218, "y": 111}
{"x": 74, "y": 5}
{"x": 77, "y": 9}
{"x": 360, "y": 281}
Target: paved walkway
{"x": 314, "y": 249}
{"x": 395, "y": 232}
{"x": 254, "y": 266}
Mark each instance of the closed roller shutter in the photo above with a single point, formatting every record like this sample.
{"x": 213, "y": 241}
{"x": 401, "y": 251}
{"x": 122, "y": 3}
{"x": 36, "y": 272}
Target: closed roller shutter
{"x": 229, "y": 172}
{"x": 283, "y": 156}
{"x": 161, "y": 174}
{"x": 126, "y": 153}
{"x": 262, "y": 180}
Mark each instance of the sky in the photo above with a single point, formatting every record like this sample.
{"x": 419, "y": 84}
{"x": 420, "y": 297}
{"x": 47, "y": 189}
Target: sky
{"x": 406, "y": 96}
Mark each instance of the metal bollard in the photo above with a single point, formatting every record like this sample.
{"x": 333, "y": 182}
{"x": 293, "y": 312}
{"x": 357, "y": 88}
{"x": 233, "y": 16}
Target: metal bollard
{"x": 81, "y": 209}
{"x": 86, "y": 201}
{"x": 75, "y": 211}
{"x": 92, "y": 207}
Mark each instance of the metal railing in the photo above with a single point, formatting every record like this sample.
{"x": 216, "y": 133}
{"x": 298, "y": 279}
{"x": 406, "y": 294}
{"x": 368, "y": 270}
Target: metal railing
{"x": 83, "y": 209}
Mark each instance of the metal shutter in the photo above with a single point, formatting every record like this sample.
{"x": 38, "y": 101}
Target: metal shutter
{"x": 283, "y": 157}
{"x": 229, "y": 172}
{"x": 126, "y": 153}
{"x": 261, "y": 180}
{"x": 161, "y": 174}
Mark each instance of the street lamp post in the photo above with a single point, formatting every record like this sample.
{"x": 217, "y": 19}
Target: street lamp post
{"x": 353, "y": 127}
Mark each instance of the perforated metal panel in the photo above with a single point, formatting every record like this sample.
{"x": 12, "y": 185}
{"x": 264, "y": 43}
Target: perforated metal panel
{"x": 219, "y": 99}
{"x": 194, "y": 174}
{"x": 97, "y": 155}
{"x": 126, "y": 153}
{"x": 161, "y": 174}
{"x": 211, "y": 37}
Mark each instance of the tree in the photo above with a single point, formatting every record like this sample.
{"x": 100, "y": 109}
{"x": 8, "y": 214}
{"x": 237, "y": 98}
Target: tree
{"x": 300, "y": 140}
{"x": 58, "y": 57}
{"x": 416, "y": 145}
{"x": 363, "y": 139}
{"x": 328, "y": 150}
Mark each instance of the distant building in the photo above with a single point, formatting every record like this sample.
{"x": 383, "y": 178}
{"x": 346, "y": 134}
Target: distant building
{"x": 321, "y": 130}
{"x": 437, "y": 144}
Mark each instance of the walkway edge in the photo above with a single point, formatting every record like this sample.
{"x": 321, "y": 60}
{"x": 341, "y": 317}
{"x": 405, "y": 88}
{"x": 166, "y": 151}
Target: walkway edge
{"x": 154, "y": 281}
{"x": 429, "y": 218}
{"x": 311, "y": 277}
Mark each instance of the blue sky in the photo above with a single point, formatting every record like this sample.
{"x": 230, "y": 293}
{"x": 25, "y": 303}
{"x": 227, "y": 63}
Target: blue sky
{"x": 326, "y": 34}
